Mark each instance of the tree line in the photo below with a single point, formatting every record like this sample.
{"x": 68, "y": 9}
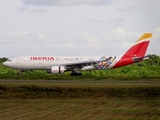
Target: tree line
{"x": 3, "y": 59}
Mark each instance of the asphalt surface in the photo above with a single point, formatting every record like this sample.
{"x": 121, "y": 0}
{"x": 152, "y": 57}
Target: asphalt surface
{"x": 79, "y": 81}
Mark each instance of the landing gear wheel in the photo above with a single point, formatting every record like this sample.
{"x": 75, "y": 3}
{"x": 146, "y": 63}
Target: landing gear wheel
{"x": 72, "y": 74}
{"x": 76, "y": 74}
{"x": 79, "y": 74}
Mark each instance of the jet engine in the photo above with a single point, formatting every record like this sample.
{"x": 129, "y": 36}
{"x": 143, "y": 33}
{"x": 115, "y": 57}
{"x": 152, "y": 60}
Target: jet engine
{"x": 57, "y": 69}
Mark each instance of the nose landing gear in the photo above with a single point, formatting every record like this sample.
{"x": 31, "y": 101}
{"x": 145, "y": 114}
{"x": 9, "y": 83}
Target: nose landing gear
{"x": 75, "y": 72}
{"x": 19, "y": 72}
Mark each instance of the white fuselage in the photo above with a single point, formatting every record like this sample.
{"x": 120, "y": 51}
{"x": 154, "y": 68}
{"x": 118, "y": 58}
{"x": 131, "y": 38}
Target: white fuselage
{"x": 45, "y": 62}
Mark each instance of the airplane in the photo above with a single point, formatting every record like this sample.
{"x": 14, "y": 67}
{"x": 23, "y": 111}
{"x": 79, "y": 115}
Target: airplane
{"x": 61, "y": 64}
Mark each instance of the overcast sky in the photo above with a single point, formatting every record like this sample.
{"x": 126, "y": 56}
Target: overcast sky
{"x": 76, "y": 27}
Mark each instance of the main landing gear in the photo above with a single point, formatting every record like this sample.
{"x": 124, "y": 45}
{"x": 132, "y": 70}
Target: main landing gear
{"x": 76, "y": 74}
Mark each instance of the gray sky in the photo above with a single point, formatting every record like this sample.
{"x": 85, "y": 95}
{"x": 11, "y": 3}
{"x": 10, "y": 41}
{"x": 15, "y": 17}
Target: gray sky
{"x": 76, "y": 27}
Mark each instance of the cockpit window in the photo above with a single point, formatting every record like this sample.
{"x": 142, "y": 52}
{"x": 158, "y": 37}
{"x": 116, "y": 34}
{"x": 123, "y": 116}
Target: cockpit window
{"x": 9, "y": 60}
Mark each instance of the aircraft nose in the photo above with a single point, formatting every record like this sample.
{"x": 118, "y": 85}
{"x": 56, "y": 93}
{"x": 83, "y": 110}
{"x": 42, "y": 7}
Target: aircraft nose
{"x": 5, "y": 63}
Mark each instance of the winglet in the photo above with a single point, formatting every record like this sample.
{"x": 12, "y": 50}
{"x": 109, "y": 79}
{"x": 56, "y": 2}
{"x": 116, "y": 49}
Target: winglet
{"x": 144, "y": 37}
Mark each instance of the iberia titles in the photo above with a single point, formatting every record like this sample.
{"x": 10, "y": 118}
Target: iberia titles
{"x": 42, "y": 58}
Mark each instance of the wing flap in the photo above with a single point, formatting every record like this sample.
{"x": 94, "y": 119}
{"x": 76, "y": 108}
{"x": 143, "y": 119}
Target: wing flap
{"x": 80, "y": 65}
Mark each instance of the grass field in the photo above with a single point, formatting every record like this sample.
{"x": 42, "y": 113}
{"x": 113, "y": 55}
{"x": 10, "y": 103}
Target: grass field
{"x": 79, "y": 109}
{"x": 79, "y": 101}
{"x": 83, "y": 100}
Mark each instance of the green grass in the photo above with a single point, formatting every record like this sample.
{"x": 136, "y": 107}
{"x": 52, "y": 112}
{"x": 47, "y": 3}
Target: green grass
{"x": 79, "y": 90}
{"x": 79, "y": 109}
{"x": 79, "y": 101}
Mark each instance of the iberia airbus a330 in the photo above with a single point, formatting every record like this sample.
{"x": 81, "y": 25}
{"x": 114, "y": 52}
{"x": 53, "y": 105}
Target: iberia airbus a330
{"x": 59, "y": 64}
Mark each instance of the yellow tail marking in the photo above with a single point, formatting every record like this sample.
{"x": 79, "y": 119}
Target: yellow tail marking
{"x": 144, "y": 36}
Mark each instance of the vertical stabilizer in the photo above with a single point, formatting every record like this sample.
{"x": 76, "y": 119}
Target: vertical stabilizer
{"x": 137, "y": 52}
{"x": 140, "y": 47}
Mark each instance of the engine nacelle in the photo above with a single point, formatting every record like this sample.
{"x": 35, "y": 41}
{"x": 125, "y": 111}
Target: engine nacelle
{"x": 57, "y": 69}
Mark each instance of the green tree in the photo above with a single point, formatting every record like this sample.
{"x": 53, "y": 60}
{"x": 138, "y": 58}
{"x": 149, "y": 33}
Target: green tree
{"x": 3, "y": 59}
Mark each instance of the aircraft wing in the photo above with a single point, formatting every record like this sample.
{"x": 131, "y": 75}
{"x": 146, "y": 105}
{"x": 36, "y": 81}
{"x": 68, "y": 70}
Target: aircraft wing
{"x": 81, "y": 64}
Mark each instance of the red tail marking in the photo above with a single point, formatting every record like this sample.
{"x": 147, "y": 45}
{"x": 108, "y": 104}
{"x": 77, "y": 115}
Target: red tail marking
{"x": 138, "y": 50}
